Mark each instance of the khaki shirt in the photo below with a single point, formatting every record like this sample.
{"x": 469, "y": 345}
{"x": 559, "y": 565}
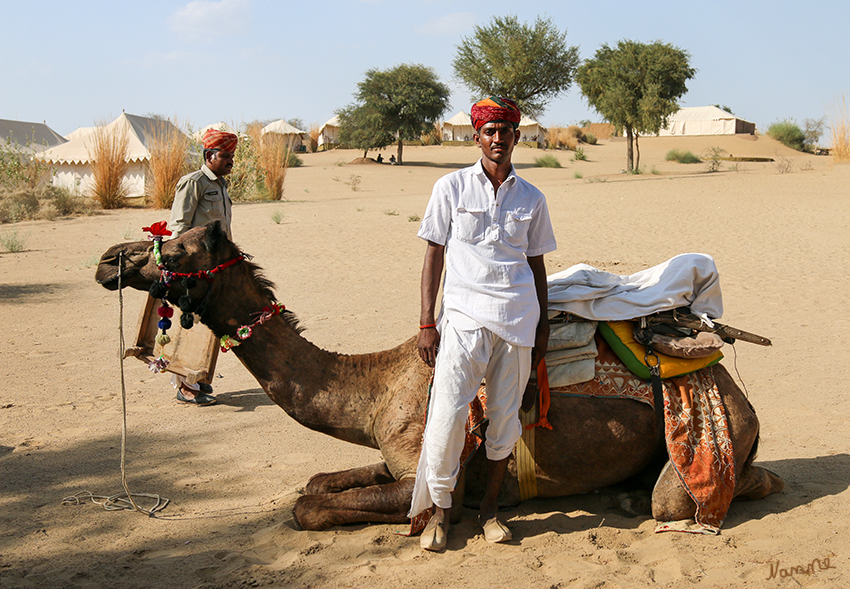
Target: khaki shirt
{"x": 201, "y": 197}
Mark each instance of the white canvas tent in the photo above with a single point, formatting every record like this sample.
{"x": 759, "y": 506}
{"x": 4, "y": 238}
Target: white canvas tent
{"x": 220, "y": 126}
{"x": 71, "y": 161}
{"x": 79, "y": 132}
{"x": 28, "y": 137}
{"x": 705, "y": 120}
{"x": 329, "y": 134}
{"x": 295, "y": 137}
{"x": 458, "y": 128}
{"x": 530, "y": 131}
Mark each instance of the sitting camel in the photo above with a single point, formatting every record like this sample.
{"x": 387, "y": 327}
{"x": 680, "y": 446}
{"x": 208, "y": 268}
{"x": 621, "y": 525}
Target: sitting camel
{"x": 378, "y": 400}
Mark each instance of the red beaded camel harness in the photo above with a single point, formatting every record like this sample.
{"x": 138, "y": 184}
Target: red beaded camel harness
{"x": 159, "y": 290}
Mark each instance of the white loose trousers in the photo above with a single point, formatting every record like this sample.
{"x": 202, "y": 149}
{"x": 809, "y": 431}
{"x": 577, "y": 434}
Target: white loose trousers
{"x": 465, "y": 359}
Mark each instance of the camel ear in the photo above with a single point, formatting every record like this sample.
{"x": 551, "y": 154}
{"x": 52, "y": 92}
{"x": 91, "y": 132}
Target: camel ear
{"x": 214, "y": 236}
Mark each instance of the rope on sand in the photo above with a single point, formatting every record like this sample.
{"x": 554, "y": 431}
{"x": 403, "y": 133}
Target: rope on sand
{"x": 120, "y": 501}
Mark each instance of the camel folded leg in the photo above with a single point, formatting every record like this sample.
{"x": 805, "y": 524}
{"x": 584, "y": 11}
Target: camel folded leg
{"x": 353, "y": 478}
{"x": 387, "y": 503}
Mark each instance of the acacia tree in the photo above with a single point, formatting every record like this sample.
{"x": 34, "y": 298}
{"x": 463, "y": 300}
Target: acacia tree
{"x": 530, "y": 64}
{"x": 404, "y": 101}
{"x": 362, "y": 128}
{"x": 635, "y": 86}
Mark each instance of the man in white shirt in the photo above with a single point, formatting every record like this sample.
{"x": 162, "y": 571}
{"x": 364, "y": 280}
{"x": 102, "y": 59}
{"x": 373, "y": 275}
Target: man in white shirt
{"x": 490, "y": 229}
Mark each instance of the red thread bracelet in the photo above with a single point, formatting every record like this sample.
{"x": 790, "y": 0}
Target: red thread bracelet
{"x": 427, "y": 326}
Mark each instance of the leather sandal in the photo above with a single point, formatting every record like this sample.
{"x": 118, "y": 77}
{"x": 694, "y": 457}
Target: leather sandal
{"x": 434, "y": 537}
{"x": 205, "y": 388}
{"x": 495, "y": 531}
{"x": 201, "y": 400}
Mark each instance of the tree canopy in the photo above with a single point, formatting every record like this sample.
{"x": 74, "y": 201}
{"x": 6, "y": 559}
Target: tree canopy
{"x": 399, "y": 103}
{"x": 530, "y": 64}
{"x": 635, "y": 86}
{"x": 362, "y": 128}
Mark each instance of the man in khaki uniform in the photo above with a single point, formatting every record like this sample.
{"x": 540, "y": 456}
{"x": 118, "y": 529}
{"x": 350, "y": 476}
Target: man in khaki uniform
{"x": 201, "y": 197}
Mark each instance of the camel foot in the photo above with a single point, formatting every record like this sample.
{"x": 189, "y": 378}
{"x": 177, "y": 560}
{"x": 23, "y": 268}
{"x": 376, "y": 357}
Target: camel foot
{"x": 757, "y": 483}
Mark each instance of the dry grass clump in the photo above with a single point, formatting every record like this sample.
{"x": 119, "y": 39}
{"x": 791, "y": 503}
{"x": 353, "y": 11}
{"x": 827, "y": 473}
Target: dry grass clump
{"x": 168, "y": 163}
{"x": 840, "y": 129}
{"x": 109, "y": 154}
{"x": 273, "y": 159}
{"x": 315, "y": 128}
{"x": 564, "y": 137}
{"x": 434, "y": 136}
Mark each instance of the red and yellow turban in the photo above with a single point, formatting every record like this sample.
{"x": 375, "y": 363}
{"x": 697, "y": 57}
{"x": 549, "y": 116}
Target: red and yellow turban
{"x": 494, "y": 109}
{"x": 221, "y": 140}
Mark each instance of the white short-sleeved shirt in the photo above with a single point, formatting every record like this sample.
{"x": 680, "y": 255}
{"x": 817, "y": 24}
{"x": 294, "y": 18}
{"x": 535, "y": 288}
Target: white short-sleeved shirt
{"x": 489, "y": 238}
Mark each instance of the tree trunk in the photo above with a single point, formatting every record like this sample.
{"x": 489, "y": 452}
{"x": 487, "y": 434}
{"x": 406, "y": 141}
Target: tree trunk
{"x": 400, "y": 148}
{"x": 630, "y": 154}
{"x": 636, "y": 169}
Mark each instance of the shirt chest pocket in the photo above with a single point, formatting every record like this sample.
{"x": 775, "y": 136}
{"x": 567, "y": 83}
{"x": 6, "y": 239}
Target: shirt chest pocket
{"x": 212, "y": 202}
{"x": 516, "y": 227}
{"x": 469, "y": 225}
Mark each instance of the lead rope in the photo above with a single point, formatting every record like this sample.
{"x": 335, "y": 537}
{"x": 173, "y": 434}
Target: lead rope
{"x": 120, "y": 501}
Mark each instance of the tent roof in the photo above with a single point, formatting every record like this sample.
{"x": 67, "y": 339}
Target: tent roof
{"x": 282, "y": 127}
{"x": 528, "y": 122}
{"x": 460, "y": 119}
{"x": 79, "y": 132}
{"x": 31, "y": 137}
{"x": 331, "y": 122}
{"x": 141, "y": 131}
{"x": 219, "y": 126}
{"x": 702, "y": 113}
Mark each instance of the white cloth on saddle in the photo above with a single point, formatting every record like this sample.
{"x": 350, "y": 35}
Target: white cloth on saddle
{"x": 572, "y": 334}
{"x": 685, "y": 280}
{"x": 567, "y": 355}
{"x": 564, "y": 375}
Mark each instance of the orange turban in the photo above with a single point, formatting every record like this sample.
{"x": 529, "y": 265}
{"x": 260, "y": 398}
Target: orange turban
{"x": 221, "y": 140}
{"x": 492, "y": 109}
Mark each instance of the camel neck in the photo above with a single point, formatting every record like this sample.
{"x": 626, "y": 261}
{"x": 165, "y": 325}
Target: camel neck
{"x": 321, "y": 390}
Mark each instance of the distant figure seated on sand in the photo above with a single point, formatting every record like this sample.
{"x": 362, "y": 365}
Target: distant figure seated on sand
{"x": 379, "y": 159}
{"x": 392, "y": 159}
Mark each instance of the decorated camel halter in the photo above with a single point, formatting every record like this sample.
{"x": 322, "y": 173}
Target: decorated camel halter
{"x": 159, "y": 290}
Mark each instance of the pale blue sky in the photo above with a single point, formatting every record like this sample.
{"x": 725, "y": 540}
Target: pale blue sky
{"x": 73, "y": 64}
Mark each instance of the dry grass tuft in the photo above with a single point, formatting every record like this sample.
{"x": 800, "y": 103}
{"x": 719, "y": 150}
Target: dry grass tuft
{"x": 273, "y": 158}
{"x": 434, "y": 136}
{"x": 564, "y": 138}
{"x": 314, "y": 137}
{"x": 109, "y": 154}
{"x": 168, "y": 163}
{"x": 840, "y": 128}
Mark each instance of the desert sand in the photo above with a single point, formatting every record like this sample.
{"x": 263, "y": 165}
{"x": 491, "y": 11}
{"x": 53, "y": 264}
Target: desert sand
{"x": 347, "y": 262}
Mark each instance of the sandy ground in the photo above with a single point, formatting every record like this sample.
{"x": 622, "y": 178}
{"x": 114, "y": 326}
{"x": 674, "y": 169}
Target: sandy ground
{"x": 347, "y": 262}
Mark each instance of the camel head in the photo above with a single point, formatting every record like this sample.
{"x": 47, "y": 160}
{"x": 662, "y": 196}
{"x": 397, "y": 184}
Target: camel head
{"x": 201, "y": 248}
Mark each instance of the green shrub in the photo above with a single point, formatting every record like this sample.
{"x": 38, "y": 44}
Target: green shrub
{"x": 713, "y": 157}
{"x": 547, "y": 161}
{"x": 590, "y": 138}
{"x": 18, "y": 205}
{"x": 579, "y": 155}
{"x": 788, "y": 133}
{"x": 682, "y": 157}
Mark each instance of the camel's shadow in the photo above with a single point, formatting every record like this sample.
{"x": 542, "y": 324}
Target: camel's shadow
{"x": 806, "y": 480}
{"x": 245, "y": 400}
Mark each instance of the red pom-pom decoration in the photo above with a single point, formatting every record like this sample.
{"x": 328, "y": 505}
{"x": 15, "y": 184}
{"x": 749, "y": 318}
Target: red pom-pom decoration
{"x": 166, "y": 312}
